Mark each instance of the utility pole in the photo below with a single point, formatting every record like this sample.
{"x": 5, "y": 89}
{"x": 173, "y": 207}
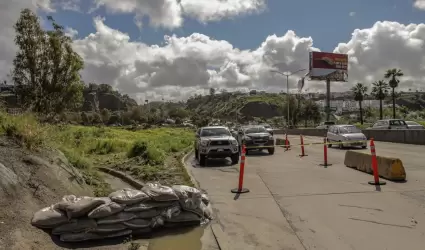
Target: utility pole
{"x": 287, "y": 74}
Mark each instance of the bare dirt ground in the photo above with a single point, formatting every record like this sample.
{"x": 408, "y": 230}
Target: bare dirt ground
{"x": 29, "y": 182}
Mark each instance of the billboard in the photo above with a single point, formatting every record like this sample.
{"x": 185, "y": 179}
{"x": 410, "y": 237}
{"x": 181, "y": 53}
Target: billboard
{"x": 325, "y": 65}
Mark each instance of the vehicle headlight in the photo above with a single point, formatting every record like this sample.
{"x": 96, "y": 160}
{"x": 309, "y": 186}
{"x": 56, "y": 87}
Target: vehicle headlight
{"x": 234, "y": 142}
{"x": 204, "y": 143}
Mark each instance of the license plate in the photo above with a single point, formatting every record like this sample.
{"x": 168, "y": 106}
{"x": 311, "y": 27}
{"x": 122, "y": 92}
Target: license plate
{"x": 220, "y": 150}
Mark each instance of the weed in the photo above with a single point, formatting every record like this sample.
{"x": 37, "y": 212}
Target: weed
{"x": 24, "y": 129}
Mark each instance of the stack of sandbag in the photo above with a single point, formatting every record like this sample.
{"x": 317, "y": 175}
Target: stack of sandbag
{"x": 124, "y": 212}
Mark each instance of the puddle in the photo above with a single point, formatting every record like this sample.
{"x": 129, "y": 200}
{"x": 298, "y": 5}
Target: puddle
{"x": 178, "y": 239}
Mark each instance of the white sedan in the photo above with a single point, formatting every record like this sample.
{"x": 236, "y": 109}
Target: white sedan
{"x": 346, "y": 136}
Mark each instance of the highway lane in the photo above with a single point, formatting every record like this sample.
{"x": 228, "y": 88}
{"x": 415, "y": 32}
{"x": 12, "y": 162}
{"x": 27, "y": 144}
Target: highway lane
{"x": 326, "y": 208}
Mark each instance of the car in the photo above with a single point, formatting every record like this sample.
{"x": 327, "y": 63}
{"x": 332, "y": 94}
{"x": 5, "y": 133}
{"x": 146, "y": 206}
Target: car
{"x": 325, "y": 125}
{"x": 215, "y": 142}
{"x": 268, "y": 128}
{"x": 346, "y": 136}
{"x": 390, "y": 124}
{"x": 414, "y": 125}
{"x": 256, "y": 137}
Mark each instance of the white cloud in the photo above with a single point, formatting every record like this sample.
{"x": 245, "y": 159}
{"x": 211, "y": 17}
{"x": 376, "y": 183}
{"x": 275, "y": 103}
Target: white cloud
{"x": 71, "y": 32}
{"x": 419, "y": 4}
{"x": 170, "y": 13}
{"x": 184, "y": 66}
{"x": 352, "y": 13}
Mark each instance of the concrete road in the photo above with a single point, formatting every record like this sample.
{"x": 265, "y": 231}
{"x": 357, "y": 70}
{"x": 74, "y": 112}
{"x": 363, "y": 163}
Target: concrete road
{"x": 296, "y": 204}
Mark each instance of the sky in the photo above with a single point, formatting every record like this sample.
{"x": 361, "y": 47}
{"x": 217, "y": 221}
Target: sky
{"x": 173, "y": 49}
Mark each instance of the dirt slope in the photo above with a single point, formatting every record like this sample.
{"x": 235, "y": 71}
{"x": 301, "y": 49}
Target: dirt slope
{"x": 28, "y": 182}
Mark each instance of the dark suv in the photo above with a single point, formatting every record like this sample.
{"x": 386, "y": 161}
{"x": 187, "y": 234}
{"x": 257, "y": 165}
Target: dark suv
{"x": 256, "y": 138}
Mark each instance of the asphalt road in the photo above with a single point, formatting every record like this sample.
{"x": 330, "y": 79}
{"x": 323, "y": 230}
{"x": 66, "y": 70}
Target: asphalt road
{"x": 294, "y": 203}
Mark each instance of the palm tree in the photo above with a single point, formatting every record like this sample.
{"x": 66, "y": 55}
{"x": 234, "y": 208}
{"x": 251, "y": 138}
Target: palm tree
{"x": 359, "y": 93}
{"x": 393, "y": 75}
{"x": 380, "y": 92}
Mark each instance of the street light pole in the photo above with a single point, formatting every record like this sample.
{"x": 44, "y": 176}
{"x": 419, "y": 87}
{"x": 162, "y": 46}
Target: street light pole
{"x": 288, "y": 74}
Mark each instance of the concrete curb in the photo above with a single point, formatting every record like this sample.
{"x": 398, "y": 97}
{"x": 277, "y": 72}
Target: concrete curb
{"x": 219, "y": 235}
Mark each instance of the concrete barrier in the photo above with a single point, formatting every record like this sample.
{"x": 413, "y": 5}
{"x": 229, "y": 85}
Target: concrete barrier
{"x": 407, "y": 136}
{"x": 301, "y": 131}
{"x": 389, "y": 168}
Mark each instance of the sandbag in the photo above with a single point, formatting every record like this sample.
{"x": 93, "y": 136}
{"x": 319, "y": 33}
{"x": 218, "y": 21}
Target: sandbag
{"x": 49, "y": 217}
{"x": 157, "y": 221}
{"x": 159, "y": 192}
{"x": 148, "y": 214}
{"x": 106, "y": 210}
{"x": 192, "y": 205}
{"x": 77, "y": 237}
{"x": 116, "y": 218}
{"x": 141, "y": 231}
{"x": 208, "y": 211}
{"x": 171, "y": 211}
{"x": 108, "y": 228}
{"x": 128, "y": 196}
{"x": 137, "y": 223}
{"x": 143, "y": 206}
{"x": 205, "y": 199}
{"x": 81, "y": 206}
{"x": 185, "y": 192}
{"x": 75, "y": 226}
{"x": 69, "y": 198}
{"x": 185, "y": 216}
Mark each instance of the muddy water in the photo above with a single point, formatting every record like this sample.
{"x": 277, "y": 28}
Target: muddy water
{"x": 188, "y": 238}
{"x": 115, "y": 183}
{"x": 178, "y": 239}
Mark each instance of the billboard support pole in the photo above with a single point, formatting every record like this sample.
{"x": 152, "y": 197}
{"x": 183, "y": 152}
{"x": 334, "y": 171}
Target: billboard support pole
{"x": 328, "y": 99}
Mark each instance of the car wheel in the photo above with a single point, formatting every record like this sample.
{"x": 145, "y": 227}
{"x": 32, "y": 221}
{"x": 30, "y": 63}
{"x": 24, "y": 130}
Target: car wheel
{"x": 329, "y": 145}
{"x": 235, "y": 158}
{"x": 196, "y": 154}
{"x": 246, "y": 152}
{"x": 341, "y": 146}
{"x": 271, "y": 151}
{"x": 202, "y": 160}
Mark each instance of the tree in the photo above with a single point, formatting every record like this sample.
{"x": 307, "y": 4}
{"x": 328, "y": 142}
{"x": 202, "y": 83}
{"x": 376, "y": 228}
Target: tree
{"x": 310, "y": 112}
{"x": 212, "y": 91}
{"x": 359, "y": 93}
{"x": 46, "y": 69}
{"x": 393, "y": 75}
{"x": 105, "y": 114}
{"x": 380, "y": 92}
{"x": 178, "y": 113}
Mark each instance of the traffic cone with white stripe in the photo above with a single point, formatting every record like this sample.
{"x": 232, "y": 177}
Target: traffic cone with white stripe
{"x": 240, "y": 189}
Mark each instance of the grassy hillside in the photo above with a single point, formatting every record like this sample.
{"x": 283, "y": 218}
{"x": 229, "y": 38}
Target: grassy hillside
{"x": 229, "y": 104}
{"x": 149, "y": 155}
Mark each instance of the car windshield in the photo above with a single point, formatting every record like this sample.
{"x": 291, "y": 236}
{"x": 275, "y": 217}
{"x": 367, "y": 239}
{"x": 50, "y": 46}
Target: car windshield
{"x": 349, "y": 130}
{"x": 215, "y": 132}
{"x": 255, "y": 130}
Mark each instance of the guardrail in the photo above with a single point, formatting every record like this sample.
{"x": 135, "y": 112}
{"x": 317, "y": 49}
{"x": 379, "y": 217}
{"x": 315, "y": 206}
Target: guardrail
{"x": 406, "y": 136}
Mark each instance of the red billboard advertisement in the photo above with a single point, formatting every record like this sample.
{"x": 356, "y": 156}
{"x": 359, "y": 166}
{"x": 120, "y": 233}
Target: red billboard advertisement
{"x": 328, "y": 65}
